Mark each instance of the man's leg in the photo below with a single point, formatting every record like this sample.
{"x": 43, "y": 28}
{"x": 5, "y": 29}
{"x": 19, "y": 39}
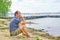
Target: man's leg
{"x": 15, "y": 32}
{"x": 24, "y": 30}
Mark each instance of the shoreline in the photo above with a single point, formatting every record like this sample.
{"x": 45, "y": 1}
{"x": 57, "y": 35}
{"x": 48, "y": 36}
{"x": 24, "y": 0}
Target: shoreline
{"x": 44, "y": 34}
{"x": 36, "y": 33}
{"x": 4, "y": 32}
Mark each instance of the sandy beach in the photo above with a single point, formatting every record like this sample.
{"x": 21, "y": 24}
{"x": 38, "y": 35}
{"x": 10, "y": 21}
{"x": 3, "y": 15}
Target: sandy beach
{"x": 37, "y": 34}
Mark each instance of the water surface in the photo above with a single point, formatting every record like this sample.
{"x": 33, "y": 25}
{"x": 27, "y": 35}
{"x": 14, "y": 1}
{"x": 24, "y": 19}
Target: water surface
{"x": 50, "y": 25}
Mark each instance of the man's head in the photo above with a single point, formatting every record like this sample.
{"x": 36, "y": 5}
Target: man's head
{"x": 17, "y": 14}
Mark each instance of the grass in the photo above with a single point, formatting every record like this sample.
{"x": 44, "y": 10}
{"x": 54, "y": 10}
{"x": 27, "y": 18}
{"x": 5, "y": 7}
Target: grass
{"x": 37, "y": 38}
{"x": 3, "y": 28}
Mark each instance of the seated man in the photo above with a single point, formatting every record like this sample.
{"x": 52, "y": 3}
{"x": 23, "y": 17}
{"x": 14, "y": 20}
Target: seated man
{"x": 17, "y": 25}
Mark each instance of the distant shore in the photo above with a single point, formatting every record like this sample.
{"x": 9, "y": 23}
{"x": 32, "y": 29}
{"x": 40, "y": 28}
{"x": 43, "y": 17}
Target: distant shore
{"x": 34, "y": 17}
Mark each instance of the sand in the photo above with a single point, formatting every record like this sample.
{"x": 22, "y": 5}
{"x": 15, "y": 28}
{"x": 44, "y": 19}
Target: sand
{"x": 37, "y": 34}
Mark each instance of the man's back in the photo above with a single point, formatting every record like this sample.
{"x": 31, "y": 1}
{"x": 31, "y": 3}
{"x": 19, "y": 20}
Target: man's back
{"x": 14, "y": 24}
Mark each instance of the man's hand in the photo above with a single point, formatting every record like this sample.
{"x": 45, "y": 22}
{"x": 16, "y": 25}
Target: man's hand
{"x": 23, "y": 19}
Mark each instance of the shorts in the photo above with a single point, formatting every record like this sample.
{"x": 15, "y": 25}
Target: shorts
{"x": 15, "y": 32}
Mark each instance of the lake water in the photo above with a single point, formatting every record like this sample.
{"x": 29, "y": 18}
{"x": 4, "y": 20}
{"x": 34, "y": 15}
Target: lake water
{"x": 50, "y": 25}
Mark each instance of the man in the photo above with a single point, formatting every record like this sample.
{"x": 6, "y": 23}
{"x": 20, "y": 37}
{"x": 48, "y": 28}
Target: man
{"x": 17, "y": 25}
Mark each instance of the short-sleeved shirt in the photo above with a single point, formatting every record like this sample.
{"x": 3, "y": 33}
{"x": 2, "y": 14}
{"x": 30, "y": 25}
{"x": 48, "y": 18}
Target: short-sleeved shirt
{"x": 14, "y": 24}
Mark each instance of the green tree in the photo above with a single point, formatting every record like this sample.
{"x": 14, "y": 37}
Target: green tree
{"x": 4, "y": 6}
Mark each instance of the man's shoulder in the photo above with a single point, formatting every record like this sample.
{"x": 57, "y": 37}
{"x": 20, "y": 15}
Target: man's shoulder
{"x": 16, "y": 19}
{"x": 13, "y": 19}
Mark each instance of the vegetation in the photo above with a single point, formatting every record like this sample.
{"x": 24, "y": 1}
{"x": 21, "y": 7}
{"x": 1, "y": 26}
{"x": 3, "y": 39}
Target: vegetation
{"x": 4, "y": 6}
{"x": 37, "y": 38}
{"x": 3, "y": 28}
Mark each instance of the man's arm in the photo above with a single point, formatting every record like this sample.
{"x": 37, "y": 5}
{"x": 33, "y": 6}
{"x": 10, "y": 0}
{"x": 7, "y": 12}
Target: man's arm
{"x": 22, "y": 19}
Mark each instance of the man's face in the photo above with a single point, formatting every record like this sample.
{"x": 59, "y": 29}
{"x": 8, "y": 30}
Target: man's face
{"x": 19, "y": 14}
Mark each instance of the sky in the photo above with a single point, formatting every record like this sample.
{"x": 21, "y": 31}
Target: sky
{"x": 35, "y": 6}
